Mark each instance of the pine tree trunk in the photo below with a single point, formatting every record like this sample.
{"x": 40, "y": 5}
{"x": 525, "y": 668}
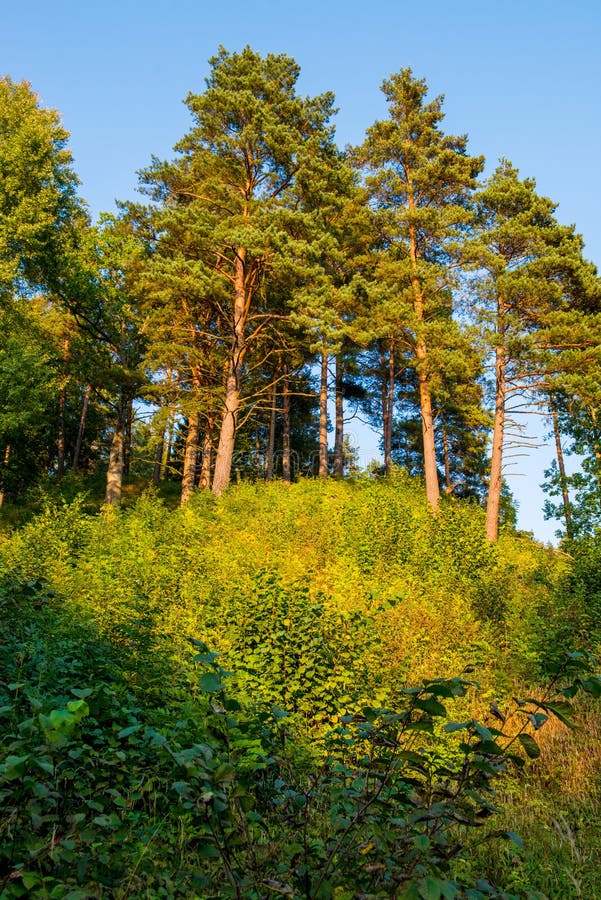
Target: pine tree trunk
{"x": 567, "y": 509}
{"x": 114, "y": 475}
{"x": 127, "y": 433}
{"x": 429, "y": 444}
{"x": 269, "y": 462}
{"x": 259, "y": 463}
{"x": 339, "y": 428}
{"x": 157, "y": 470}
{"x": 190, "y": 457}
{"x": 323, "y": 416}
{"x": 82, "y": 427}
{"x": 595, "y": 443}
{"x": 61, "y": 443}
{"x": 286, "y": 465}
{"x": 5, "y": 465}
{"x": 204, "y": 480}
{"x": 227, "y": 436}
{"x": 387, "y": 407}
{"x": 423, "y": 374}
{"x": 62, "y": 405}
{"x": 496, "y": 463}
{"x": 168, "y": 454}
{"x": 447, "y": 461}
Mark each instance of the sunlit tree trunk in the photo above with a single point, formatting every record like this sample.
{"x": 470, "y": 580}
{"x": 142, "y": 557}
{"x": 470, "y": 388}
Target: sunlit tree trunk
{"x": 127, "y": 435}
{"x": 447, "y": 461}
{"x": 339, "y": 427}
{"x": 5, "y": 462}
{"x": 227, "y": 437}
{"x": 62, "y": 405}
{"x": 168, "y": 454}
{"x": 269, "y": 462}
{"x": 204, "y": 479}
{"x": 323, "y": 416}
{"x": 496, "y": 462}
{"x": 388, "y": 406}
{"x": 190, "y": 457}
{"x": 286, "y": 464}
{"x": 114, "y": 475}
{"x": 595, "y": 441}
{"x": 157, "y": 470}
{"x": 423, "y": 375}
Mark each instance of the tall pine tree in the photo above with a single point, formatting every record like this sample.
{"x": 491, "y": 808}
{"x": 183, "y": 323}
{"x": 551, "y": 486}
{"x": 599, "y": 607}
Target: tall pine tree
{"x": 420, "y": 180}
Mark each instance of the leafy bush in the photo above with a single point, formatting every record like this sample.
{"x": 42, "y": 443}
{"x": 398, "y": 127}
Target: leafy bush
{"x": 102, "y": 797}
{"x": 314, "y": 768}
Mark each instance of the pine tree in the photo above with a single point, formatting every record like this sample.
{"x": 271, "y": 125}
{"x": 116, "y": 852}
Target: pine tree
{"x": 420, "y": 180}
{"x": 238, "y": 193}
{"x": 529, "y": 268}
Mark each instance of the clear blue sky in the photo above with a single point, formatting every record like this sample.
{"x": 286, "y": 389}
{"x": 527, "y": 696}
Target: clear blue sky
{"x": 523, "y": 80}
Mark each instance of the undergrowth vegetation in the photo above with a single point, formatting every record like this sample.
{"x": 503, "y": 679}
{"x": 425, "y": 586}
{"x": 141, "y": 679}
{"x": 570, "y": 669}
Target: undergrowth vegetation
{"x": 311, "y": 691}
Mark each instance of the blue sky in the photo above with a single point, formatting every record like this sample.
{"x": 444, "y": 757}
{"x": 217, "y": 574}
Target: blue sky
{"x": 523, "y": 80}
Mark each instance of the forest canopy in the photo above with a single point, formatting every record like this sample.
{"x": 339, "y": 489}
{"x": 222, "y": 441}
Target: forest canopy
{"x": 271, "y": 281}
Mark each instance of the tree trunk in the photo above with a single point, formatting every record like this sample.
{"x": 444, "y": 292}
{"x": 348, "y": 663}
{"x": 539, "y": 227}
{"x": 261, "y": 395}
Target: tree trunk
{"x": 158, "y": 461}
{"x": 190, "y": 457}
{"x": 62, "y": 405}
{"x": 388, "y": 406}
{"x": 82, "y": 427}
{"x": 114, "y": 475}
{"x": 423, "y": 374}
{"x": 447, "y": 461}
{"x": 286, "y": 466}
{"x": 204, "y": 480}
{"x": 169, "y": 448}
{"x": 496, "y": 463}
{"x": 259, "y": 459}
{"x": 227, "y": 436}
{"x": 127, "y": 432}
{"x": 270, "y": 461}
{"x": 61, "y": 443}
{"x": 4, "y": 466}
{"x": 339, "y": 428}
{"x": 425, "y": 401}
{"x": 323, "y": 415}
{"x": 567, "y": 509}
{"x": 595, "y": 443}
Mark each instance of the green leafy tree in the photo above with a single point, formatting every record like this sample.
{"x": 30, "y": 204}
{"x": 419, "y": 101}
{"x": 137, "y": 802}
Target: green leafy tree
{"x": 107, "y": 310}
{"x": 29, "y": 382}
{"x": 38, "y": 201}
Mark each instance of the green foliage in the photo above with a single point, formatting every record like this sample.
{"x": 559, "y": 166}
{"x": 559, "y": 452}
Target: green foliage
{"x": 37, "y": 191}
{"x": 102, "y": 793}
{"x": 317, "y": 755}
{"x": 296, "y": 651}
